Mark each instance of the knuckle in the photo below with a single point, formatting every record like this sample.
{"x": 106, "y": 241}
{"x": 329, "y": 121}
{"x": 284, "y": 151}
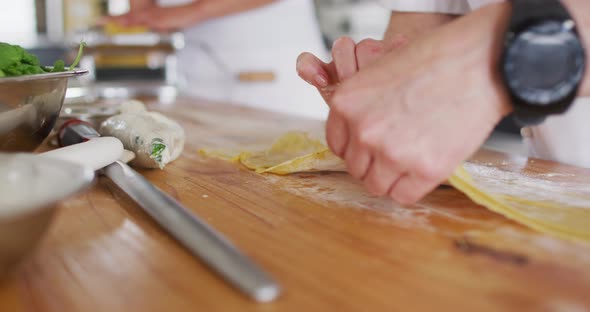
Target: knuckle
{"x": 429, "y": 168}
{"x": 394, "y": 154}
{"x": 365, "y": 138}
{"x": 367, "y": 133}
{"x": 368, "y": 142}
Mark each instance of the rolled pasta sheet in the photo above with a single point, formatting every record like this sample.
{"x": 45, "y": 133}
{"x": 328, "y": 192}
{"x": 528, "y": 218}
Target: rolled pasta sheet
{"x": 155, "y": 139}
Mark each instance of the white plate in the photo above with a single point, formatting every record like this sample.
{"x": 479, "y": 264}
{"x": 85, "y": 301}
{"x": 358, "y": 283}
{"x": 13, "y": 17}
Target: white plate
{"x": 29, "y": 182}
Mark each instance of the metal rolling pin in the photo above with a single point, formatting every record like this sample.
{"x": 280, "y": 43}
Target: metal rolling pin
{"x": 198, "y": 237}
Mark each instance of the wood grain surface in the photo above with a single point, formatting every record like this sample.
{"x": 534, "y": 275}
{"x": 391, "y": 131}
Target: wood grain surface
{"x": 331, "y": 245}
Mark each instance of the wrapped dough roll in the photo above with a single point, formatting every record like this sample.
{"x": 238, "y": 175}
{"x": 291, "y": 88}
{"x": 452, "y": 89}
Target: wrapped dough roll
{"x": 155, "y": 139}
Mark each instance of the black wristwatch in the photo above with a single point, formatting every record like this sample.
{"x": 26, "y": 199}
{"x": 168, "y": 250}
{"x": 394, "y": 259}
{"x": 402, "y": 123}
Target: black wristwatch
{"x": 543, "y": 61}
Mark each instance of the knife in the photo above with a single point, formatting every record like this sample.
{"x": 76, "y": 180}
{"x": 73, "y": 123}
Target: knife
{"x": 198, "y": 237}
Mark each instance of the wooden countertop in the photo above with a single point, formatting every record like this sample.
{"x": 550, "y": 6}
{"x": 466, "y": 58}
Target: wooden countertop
{"x": 330, "y": 244}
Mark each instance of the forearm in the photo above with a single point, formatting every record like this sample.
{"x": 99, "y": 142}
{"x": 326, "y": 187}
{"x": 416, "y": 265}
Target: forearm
{"x": 135, "y": 5}
{"x": 580, "y": 9}
{"x": 411, "y": 25}
{"x": 475, "y": 41}
{"x": 208, "y": 9}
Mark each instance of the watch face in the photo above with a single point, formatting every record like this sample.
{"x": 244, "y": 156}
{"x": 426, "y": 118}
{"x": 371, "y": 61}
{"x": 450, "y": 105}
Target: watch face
{"x": 545, "y": 63}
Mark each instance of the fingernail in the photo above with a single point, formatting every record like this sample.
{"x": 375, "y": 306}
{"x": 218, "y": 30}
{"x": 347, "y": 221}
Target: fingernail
{"x": 321, "y": 81}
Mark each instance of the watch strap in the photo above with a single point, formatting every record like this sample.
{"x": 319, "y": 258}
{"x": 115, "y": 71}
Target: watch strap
{"x": 528, "y": 118}
{"x": 527, "y": 11}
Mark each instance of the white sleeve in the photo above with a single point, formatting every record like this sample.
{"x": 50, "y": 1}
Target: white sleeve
{"x": 427, "y": 6}
{"x": 476, "y": 4}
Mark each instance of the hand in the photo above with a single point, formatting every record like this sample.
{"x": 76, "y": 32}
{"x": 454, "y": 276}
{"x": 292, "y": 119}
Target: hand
{"x": 160, "y": 19}
{"x": 404, "y": 123}
{"x": 347, "y": 59}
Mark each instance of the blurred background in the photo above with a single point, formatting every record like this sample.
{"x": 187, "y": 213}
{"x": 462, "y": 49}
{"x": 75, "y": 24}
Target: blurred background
{"x": 130, "y": 65}
{"x": 50, "y": 27}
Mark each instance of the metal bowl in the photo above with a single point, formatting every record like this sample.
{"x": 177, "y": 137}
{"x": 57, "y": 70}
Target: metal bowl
{"x": 30, "y": 188}
{"x": 29, "y": 108}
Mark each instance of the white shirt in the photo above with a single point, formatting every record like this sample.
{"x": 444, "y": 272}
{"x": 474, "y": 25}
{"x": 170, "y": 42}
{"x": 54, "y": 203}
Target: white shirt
{"x": 435, "y": 6}
{"x": 265, "y": 39}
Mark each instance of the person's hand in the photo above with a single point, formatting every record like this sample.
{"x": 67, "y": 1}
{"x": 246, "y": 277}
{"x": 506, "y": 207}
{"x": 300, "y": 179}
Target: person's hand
{"x": 160, "y": 19}
{"x": 347, "y": 59}
{"x": 404, "y": 123}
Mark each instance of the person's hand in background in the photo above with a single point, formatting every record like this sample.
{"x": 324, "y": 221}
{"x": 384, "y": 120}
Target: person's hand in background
{"x": 148, "y": 14}
{"x": 157, "y": 18}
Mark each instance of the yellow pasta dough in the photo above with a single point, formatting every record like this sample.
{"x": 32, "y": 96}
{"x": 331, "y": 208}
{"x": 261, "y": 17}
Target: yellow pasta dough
{"x": 557, "y": 208}
{"x": 292, "y": 152}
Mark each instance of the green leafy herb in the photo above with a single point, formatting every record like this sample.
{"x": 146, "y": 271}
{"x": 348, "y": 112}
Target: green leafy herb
{"x": 158, "y": 148}
{"x": 80, "y": 51}
{"x": 16, "y": 61}
{"x": 58, "y": 66}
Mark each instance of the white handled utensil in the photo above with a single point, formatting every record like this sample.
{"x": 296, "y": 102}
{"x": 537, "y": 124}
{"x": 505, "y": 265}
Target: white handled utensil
{"x": 96, "y": 153}
{"x": 83, "y": 145}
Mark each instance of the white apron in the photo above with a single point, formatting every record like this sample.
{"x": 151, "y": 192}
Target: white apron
{"x": 266, "y": 39}
{"x": 435, "y": 6}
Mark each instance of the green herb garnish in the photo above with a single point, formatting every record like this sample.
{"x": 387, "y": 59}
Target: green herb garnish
{"x": 77, "y": 60}
{"x": 158, "y": 148}
{"x": 16, "y": 61}
{"x": 58, "y": 66}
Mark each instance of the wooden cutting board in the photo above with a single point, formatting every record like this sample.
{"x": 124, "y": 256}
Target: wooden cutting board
{"x": 330, "y": 244}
